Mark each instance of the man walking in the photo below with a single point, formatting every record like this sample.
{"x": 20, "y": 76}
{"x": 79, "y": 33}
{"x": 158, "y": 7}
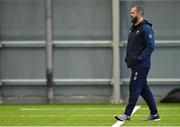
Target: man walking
{"x": 138, "y": 58}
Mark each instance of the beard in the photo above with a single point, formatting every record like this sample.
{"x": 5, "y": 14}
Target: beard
{"x": 134, "y": 20}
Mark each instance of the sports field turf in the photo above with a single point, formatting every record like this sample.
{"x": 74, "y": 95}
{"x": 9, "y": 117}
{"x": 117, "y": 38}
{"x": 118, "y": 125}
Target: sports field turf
{"x": 83, "y": 115}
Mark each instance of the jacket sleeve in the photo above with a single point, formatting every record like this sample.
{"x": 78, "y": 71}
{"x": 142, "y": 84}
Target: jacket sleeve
{"x": 148, "y": 36}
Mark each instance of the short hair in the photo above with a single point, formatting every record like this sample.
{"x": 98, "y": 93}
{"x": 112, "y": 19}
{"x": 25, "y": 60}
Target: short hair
{"x": 139, "y": 9}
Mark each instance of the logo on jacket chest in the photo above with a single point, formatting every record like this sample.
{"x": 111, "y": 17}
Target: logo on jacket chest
{"x": 137, "y": 32}
{"x": 134, "y": 32}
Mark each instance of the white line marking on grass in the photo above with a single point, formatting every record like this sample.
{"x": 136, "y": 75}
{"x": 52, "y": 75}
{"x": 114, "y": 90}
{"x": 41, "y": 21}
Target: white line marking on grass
{"x": 162, "y": 108}
{"x": 119, "y": 123}
{"x": 161, "y": 115}
{"x": 86, "y": 109}
{"x": 85, "y": 126}
{"x": 70, "y": 109}
{"x": 70, "y": 115}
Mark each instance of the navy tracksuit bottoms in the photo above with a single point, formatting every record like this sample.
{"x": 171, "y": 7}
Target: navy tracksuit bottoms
{"x": 138, "y": 86}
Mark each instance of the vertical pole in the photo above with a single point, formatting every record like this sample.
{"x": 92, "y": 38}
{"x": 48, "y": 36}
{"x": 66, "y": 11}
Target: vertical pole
{"x": 49, "y": 51}
{"x": 1, "y": 85}
{"x": 1, "y": 91}
{"x": 116, "y": 52}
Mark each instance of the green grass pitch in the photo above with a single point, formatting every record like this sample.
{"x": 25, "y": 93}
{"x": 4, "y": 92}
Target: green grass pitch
{"x": 83, "y": 115}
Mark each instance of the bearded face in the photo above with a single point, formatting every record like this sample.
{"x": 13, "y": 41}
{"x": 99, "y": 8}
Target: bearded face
{"x": 134, "y": 16}
{"x": 134, "y": 19}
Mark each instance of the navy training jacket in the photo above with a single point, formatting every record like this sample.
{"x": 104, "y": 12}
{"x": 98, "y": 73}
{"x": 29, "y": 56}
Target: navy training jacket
{"x": 140, "y": 45}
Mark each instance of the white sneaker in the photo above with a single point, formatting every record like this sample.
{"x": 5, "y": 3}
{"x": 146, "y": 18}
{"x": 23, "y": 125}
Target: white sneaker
{"x": 122, "y": 117}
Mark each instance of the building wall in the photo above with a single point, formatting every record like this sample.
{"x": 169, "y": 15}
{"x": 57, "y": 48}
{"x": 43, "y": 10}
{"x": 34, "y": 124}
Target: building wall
{"x": 82, "y": 72}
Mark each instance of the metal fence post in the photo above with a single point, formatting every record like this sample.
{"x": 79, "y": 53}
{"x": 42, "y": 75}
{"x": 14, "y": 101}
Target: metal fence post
{"x": 49, "y": 51}
{"x": 116, "y": 51}
{"x": 1, "y": 87}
